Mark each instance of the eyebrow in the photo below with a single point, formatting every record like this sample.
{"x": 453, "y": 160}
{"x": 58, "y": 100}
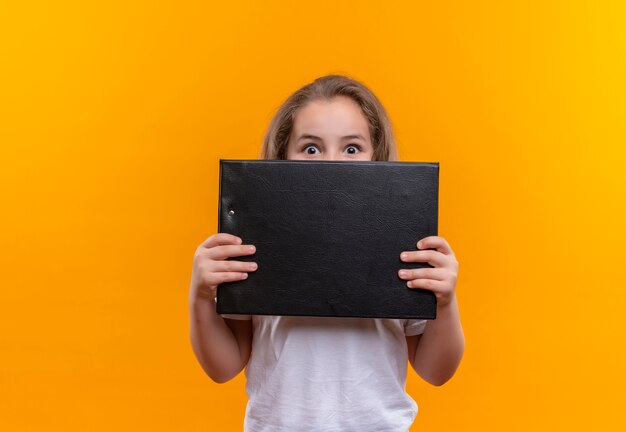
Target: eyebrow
{"x": 314, "y": 137}
{"x": 307, "y": 136}
{"x": 356, "y": 136}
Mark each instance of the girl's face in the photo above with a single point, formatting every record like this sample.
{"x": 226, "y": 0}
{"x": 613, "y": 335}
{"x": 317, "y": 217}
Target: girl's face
{"x": 330, "y": 130}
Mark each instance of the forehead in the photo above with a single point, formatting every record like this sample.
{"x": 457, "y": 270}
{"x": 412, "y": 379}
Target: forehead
{"x": 338, "y": 115}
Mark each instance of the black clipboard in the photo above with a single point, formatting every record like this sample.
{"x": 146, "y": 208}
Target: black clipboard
{"x": 328, "y": 236}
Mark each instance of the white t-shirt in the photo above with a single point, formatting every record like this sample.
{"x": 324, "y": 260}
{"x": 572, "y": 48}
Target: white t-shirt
{"x": 328, "y": 374}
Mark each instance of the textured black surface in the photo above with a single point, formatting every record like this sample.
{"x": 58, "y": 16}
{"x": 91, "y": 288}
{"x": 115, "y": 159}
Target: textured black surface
{"x": 328, "y": 236}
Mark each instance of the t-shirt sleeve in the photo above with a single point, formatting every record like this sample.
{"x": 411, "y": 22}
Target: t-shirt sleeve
{"x": 237, "y": 317}
{"x": 413, "y": 327}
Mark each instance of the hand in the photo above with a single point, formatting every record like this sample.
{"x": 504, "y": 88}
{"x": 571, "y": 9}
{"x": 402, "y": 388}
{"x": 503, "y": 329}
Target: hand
{"x": 211, "y": 267}
{"x": 442, "y": 278}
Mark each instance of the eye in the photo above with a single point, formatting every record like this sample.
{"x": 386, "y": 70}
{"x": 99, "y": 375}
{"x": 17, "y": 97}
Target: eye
{"x": 311, "y": 149}
{"x": 353, "y": 149}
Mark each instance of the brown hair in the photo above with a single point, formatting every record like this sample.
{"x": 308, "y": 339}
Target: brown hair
{"x": 328, "y": 87}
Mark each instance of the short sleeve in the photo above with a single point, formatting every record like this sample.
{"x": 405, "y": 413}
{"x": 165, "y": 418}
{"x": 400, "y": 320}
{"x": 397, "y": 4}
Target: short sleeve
{"x": 413, "y": 327}
{"x": 237, "y": 317}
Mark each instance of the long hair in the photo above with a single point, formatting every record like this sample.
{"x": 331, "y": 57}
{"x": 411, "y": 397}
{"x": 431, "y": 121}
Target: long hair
{"x": 325, "y": 88}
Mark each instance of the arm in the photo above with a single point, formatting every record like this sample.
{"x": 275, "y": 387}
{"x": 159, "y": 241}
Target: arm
{"x": 222, "y": 346}
{"x": 436, "y": 354}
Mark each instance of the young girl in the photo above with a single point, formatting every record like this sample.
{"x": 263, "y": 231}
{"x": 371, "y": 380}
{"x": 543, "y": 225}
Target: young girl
{"x": 321, "y": 373}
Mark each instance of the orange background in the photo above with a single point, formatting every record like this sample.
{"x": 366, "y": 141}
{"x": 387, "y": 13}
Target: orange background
{"x": 113, "y": 118}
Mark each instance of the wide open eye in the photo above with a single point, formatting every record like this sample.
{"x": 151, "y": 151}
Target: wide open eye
{"x": 353, "y": 149}
{"x": 311, "y": 149}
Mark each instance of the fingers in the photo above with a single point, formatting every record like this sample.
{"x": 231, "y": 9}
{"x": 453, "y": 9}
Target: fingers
{"x": 434, "y": 258}
{"x": 221, "y": 246}
{"x": 212, "y": 268}
{"x": 423, "y": 273}
{"x": 441, "y": 278}
{"x": 212, "y": 273}
{"x": 221, "y": 239}
{"x": 443, "y": 290}
{"x": 438, "y": 287}
{"x": 219, "y": 253}
{"x": 435, "y": 242}
{"x": 233, "y": 266}
{"x": 228, "y": 271}
{"x": 222, "y": 277}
